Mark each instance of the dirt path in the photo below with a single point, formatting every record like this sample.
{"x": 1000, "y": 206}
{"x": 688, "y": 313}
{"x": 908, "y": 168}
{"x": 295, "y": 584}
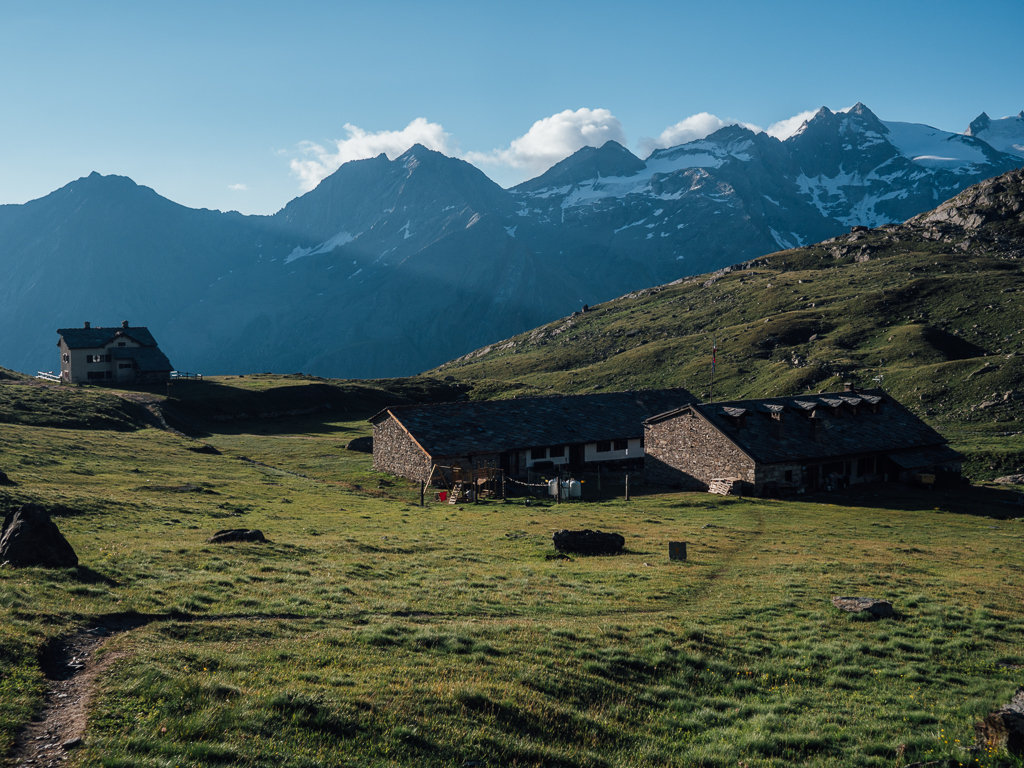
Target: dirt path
{"x": 72, "y": 670}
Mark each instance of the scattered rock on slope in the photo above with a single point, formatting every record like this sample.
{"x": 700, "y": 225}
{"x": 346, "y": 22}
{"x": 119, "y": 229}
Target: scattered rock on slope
{"x": 1003, "y": 729}
{"x": 879, "y": 608}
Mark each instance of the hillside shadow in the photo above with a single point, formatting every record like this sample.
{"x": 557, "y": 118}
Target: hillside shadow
{"x": 979, "y": 501}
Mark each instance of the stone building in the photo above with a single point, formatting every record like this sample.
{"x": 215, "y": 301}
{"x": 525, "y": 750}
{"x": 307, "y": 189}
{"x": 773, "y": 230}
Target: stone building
{"x": 573, "y": 432}
{"x": 116, "y": 355}
{"x": 813, "y": 442}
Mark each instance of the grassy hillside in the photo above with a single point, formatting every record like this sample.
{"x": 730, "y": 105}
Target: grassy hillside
{"x": 931, "y": 309}
{"x": 373, "y": 632}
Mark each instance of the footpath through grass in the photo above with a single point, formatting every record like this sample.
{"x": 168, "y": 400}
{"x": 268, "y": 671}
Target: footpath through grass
{"x": 373, "y": 632}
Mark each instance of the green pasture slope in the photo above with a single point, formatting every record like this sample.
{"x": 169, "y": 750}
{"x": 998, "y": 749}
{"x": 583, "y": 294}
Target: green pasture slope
{"x": 373, "y": 632}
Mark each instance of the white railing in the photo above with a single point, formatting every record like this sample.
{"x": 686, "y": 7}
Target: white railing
{"x": 47, "y": 375}
{"x": 183, "y": 375}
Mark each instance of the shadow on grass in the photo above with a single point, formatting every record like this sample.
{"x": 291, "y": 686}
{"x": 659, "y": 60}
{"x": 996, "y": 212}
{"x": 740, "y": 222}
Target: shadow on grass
{"x": 979, "y": 501}
{"x": 83, "y": 574}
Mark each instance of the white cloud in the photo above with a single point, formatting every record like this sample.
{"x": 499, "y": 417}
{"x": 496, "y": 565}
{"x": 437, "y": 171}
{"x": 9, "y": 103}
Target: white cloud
{"x": 321, "y": 161}
{"x": 553, "y": 139}
{"x": 783, "y": 129}
{"x": 691, "y": 129}
{"x": 238, "y": 187}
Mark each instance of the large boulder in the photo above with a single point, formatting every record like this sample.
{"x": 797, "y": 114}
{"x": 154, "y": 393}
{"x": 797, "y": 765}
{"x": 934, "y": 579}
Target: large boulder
{"x": 588, "y": 542}
{"x": 5, "y": 480}
{"x": 29, "y": 537}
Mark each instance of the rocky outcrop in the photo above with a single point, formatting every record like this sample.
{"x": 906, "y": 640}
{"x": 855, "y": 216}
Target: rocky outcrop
{"x": 5, "y": 480}
{"x": 994, "y": 200}
{"x": 30, "y": 538}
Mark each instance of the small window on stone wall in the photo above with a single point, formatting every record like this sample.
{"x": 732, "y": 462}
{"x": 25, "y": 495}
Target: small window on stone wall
{"x": 789, "y": 475}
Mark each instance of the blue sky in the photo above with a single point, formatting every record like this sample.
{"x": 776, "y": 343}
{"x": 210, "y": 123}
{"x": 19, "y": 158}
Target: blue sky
{"x": 243, "y": 105}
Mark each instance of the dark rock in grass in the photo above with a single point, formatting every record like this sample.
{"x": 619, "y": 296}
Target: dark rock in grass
{"x": 362, "y": 444}
{"x": 588, "y": 542}
{"x": 1003, "y": 729}
{"x": 879, "y": 608}
{"x": 5, "y": 480}
{"x": 231, "y": 535}
{"x": 204, "y": 448}
{"x": 29, "y": 537}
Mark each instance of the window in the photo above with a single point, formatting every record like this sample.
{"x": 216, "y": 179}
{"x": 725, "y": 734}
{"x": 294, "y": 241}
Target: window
{"x": 621, "y": 445}
{"x": 537, "y": 453}
{"x": 122, "y": 344}
{"x": 604, "y": 446}
{"x": 66, "y": 357}
{"x": 97, "y": 358}
{"x": 93, "y": 375}
{"x": 789, "y": 475}
{"x": 122, "y": 366}
{"x": 559, "y": 451}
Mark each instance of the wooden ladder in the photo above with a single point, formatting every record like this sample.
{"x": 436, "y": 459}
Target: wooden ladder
{"x": 453, "y": 497}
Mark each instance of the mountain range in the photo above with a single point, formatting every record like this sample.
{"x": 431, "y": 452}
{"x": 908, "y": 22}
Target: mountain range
{"x": 390, "y": 267}
{"x": 929, "y": 309}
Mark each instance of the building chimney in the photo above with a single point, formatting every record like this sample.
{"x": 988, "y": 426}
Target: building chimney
{"x": 86, "y": 323}
{"x": 849, "y": 387}
{"x": 124, "y": 323}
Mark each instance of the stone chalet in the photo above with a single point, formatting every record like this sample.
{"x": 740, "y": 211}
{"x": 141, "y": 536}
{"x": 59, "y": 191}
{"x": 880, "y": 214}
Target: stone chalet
{"x": 574, "y": 432}
{"x": 124, "y": 355}
{"x": 812, "y": 442}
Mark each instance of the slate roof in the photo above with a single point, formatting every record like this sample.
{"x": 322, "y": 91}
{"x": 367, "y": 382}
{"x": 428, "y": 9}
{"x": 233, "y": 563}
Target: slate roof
{"x": 148, "y": 359}
{"x": 93, "y": 338}
{"x": 485, "y": 426}
{"x": 894, "y": 430}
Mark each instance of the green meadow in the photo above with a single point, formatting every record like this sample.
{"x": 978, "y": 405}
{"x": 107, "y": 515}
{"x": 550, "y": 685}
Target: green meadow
{"x": 371, "y": 631}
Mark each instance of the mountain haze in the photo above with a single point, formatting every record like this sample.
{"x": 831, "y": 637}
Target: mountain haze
{"x": 393, "y": 266}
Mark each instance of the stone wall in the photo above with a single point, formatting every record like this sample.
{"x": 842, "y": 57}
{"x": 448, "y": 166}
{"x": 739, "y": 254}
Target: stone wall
{"x": 396, "y": 453}
{"x": 685, "y": 451}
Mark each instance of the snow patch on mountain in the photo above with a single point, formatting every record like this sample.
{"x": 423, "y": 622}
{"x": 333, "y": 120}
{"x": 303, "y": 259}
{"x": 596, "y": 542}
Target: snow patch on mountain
{"x": 932, "y": 148}
{"x": 1005, "y": 134}
{"x": 325, "y": 247}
